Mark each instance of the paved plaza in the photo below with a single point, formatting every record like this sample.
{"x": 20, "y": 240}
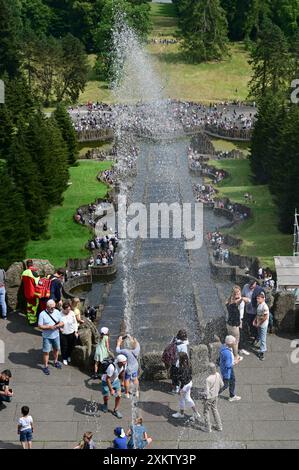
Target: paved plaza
{"x": 65, "y": 404}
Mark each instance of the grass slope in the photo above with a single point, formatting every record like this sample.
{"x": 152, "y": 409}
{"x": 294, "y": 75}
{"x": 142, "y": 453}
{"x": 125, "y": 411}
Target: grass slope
{"x": 260, "y": 234}
{"x": 66, "y": 238}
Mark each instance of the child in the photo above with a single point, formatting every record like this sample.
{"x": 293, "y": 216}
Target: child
{"x": 138, "y": 436}
{"x": 102, "y": 351}
{"x": 87, "y": 442}
{"x": 25, "y": 428}
{"x": 213, "y": 385}
{"x": 120, "y": 441}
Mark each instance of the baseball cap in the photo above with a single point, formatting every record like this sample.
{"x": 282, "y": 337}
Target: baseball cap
{"x": 119, "y": 432}
{"x": 121, "y": 358}
{"x": 104, "y": 330}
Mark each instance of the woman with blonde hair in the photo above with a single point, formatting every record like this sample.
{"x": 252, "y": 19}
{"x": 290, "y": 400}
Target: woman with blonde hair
{"x": 130, "y": 347}
{"x": 235, "y": 306}
{"x": 76, "y": 304}
{"x": 138, "y": 438}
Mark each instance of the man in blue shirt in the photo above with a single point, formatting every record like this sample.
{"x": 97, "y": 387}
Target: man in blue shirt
{"x": 227, "y": 362}
{"x": 50, "y": 323}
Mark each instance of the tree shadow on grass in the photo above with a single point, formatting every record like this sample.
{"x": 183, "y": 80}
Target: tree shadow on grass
{"x": 170, "y": 57}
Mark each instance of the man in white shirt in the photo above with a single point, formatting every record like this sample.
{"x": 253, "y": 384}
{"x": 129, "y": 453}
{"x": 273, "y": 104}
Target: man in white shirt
{"x": 262, "y": 322}
{"x": 50, "y": 323}
{"x": 111, "y": 383}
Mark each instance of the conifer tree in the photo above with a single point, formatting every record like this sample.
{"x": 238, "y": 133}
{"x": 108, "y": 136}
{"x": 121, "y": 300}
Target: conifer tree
{"x": 10, "y": 29}
{"x": 68, "y": 132}
{"x": 25, "y": 174}
{"x": 14, "y": 233}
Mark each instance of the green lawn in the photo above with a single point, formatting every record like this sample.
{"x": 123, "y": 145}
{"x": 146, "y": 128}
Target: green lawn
{"x": 66, "y": 238}
{"x": 214, "y": 81}
{"x": 164, "y": 19}
{"x": 260, "y": 234}
{"x": 226, "y": 145}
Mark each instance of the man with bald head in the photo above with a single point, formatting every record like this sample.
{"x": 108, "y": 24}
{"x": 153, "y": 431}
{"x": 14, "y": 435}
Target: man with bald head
{"x": 50, "y": 322}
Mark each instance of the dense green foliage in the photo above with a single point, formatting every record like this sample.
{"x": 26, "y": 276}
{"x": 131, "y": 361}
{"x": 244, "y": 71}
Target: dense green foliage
{"x": 203, "y": 29}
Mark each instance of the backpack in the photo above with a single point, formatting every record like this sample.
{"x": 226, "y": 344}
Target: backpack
{"x": 169, "y": 355}
{"x": 105, "y": 364}
{"x": 44, "y": 287}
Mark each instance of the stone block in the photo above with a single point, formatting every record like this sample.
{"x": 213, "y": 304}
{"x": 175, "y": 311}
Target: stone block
{"x": 284, "y": 311}
{"x": 199, "y": 358}
{"x": 214, "y": 349}
{"x": 152, "y": 366}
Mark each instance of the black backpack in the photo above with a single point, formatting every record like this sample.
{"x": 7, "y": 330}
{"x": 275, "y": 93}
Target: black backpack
{"x": 105, "y": 364}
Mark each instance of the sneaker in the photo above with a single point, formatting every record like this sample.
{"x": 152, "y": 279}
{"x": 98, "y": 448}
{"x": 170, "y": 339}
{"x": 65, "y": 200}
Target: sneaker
{"x": 65, "y": 363}
{"x": 177, "y": 389}
{"x": 46, "y": 370}
{"x": 178, "y": 415}
{"x": 243, "y": 351}
{"x": 94, "y": 376}
{"x": 204, "y": 429}
{"x": 69, "y": 360}
{"x": 127, "y": 395}
{"x": 217, "y": 429}
{"x": 235, "y": 398}
{"x": 58, "y": 365}
{"x": 261, "y": 356}
{"x": 194, "y": 417}
{"x": 104, "y": 408}
{"x": 117, "y": 414}
{"x": 137, "y": 394}
{"x": 239, "y": 359}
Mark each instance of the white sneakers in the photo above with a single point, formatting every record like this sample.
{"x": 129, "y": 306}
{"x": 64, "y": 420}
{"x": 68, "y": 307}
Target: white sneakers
{"x": 65, "y": 363}
{"x": 235, "y": 398}
{"x": 243, "y": 351}
{"x": 69, "y": 360}
{"x": 178, "y": 415}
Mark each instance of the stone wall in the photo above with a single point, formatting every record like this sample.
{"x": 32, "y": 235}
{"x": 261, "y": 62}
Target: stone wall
{"x": 284, "y": 310}
{"x": 14, "y": 277}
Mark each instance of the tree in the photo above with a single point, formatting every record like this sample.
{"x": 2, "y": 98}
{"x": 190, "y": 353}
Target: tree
{"x": 285, "y": 174}
{"x": 136, "y": 16}
{"x": 271, "y": 115}
{"x": 68, "y": 133}
{"x": 73, "y": 70}
{"x": 203, "y": 28}
{"x": 36, "y": 16}
{"x": 26, "y": 177}
{"x": 271, "y": 62}
{"x": 10, "y": 29}
{"x": 14, "y": 233}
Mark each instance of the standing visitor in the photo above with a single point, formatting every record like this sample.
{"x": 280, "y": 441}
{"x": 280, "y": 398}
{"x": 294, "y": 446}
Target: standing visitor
{"x": 50, "y": 322}
{"x": 69, "y": 332}
{"x": 262, "y": 322}
{"x": 184, "y": 377}
{"x": 76, "y": 307}
{"x": 111, "y": 384}
{"x": 214, "y": 384}
{"x": 102, "y": 351}
{"x": 3, "y": 294}
{"x": 227, "y": 367}
{"x": 31, "y": 292}
{"x": 56, "y": 287}
{"x": 25, "y": 428}
{"x": 181, "y": 343}
{"x": 131, "y": 352}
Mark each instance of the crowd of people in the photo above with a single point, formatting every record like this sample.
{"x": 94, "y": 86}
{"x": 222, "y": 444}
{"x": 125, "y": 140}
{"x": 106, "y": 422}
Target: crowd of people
{"x": 147, "y": 118}
{"x": 164, "y": 41}
{"x": 204, "y": 193}
{"x": 216, "y": 241}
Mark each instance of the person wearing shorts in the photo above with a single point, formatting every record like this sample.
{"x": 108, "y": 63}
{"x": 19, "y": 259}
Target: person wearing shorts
{"x": 50, "y": 323}
{"x": 25, "y": 428}
{"x": 111, "y": 384}
{"x": 130, "y": 347}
